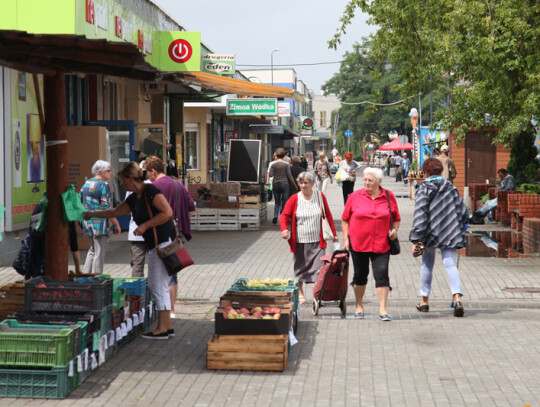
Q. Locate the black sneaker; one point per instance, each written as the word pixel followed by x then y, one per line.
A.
pixel 170 332
pixel 151 335
pixel 274 221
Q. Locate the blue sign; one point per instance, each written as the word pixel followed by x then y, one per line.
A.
pixel 348 133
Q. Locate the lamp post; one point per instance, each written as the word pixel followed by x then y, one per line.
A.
pixel 272 64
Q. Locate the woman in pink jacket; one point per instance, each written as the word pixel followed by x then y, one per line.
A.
pixel 303 213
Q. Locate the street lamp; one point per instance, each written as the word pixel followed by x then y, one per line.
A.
pixel 272 64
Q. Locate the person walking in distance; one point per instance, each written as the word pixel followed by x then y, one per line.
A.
pixel 322 170
pixel 281 171
pixel 96 195
pixel 349 168
pixel 182 206
pixel 449 168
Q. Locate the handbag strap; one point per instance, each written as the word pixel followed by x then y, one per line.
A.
pixel 319 196
pixel 389 208
pixel 151 216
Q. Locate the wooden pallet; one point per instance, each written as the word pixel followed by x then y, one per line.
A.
pixel 247 352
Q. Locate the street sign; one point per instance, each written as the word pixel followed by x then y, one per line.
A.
pixel 266 128
pixel 250 107
pixel 403 139
pixel 348 133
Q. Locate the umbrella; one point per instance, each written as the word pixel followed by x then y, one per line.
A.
pixel 396 145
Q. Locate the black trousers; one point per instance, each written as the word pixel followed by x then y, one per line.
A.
pixel 347 188
pixel 379 264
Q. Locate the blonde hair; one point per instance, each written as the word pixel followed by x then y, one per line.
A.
pixel 132 170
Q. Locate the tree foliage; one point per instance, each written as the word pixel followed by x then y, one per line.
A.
pixel 483 54
pixel 363 79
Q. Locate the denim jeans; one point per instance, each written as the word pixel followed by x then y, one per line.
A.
pixel 488 206
pixel 281 194
pixel 449 263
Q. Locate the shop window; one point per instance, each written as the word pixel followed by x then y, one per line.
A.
pixel 323 119
pixel 191 146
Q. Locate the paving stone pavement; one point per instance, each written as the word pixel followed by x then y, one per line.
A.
pixel 491 357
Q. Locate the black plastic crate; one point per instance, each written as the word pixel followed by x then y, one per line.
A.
pixel 43 294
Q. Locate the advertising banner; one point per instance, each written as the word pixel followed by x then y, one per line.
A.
pixel 220 64
pixel 180 51
pixel 284 109
pixel 429 141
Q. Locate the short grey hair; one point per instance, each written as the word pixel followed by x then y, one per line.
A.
pixel 306 176
pixel 376 172
pixel 100 166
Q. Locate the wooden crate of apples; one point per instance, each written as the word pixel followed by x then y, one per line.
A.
pixel 253 321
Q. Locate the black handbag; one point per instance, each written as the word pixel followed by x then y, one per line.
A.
pixel 394 244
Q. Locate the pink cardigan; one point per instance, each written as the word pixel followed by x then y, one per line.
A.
pixel 289 216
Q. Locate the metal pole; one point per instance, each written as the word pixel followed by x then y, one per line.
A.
pixel 272 64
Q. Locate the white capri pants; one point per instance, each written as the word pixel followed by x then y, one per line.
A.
pixel 158 279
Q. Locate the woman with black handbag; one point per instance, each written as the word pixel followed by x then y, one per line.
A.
pixel 368 214
pixel 158 279
pixel 440 221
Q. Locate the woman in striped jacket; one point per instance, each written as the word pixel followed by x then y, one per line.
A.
pixel 440 220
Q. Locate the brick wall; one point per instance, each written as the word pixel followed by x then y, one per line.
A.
pixel 192 189
pixel 531 235
pixel 476 191
pixel 529 205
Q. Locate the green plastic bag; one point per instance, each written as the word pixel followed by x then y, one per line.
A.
pixel 73 207
pixel 42 223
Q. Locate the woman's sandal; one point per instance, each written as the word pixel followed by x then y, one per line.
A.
pixel 301 299
pixel 422 308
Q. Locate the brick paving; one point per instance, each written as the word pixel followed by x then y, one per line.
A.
pixel 491 357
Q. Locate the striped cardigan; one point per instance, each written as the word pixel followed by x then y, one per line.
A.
pixel 439 215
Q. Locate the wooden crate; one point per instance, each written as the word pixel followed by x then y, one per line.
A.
pixel 250 202
pixel 247 352
pixel 222 202
pixel 256 299
pixel 11 299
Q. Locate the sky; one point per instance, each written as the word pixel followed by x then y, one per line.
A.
pixel 251 29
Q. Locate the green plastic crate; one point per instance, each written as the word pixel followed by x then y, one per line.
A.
pixel 119 298
pixel 35 347
pixel 38 384
pixel 80 331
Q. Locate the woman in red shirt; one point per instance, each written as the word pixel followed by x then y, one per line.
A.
pixel 366 224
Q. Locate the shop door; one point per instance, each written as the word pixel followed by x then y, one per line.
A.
pixel 480 158
pixel 150 139
pixel 120 147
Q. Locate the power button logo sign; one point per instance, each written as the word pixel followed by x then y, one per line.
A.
pixel 180 51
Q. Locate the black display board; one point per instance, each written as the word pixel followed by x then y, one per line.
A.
pixel 244 160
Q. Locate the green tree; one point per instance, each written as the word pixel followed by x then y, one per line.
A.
pixel 484 55
pixel 363 85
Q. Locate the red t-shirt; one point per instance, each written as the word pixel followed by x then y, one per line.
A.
pixel 369 220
